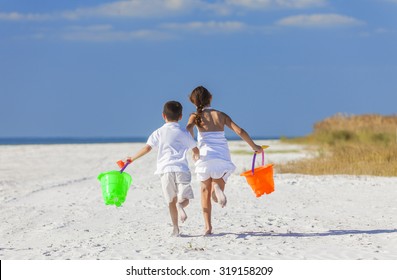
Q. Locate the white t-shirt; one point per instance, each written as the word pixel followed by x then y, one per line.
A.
pixel 172 142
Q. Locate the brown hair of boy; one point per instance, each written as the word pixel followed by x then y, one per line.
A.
pixel 172 110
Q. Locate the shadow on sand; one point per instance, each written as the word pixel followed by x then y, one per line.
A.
pixel 298 234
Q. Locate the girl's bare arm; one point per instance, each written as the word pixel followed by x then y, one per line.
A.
pixel 242 133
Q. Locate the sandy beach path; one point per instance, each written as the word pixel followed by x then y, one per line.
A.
pixel 51 207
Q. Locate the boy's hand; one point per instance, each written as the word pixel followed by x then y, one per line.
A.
pixel 196 157
pixel 196 154
pixel 122 163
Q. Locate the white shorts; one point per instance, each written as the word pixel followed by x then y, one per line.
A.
pixel 204 176
pixel 176 184
pixel 215 169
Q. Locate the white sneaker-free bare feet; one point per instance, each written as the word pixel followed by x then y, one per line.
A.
pixel 175 231
pixel 208 231
pixel 220 195
pixel 213 195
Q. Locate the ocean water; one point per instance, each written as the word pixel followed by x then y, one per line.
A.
pixel 85 140
pixel 68 140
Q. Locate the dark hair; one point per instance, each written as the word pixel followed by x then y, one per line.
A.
pixel 200 97
pixel 172 110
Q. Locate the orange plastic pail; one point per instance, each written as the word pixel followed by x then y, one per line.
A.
pixel 260 178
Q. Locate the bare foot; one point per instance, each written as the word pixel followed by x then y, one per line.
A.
pixel 220 195
pixel 208 232
pixel 175 231
pixel 214 197
pixel 181 212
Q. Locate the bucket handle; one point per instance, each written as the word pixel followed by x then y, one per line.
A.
pixel 125 166
pixel 253 161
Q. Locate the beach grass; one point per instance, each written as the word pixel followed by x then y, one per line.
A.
pixel 350 144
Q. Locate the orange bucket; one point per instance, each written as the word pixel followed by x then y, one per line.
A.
pixel 260 178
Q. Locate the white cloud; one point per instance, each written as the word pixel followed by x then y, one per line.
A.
pixel 91 28
pixel 228 7
pixel 381 30
pixel 14 16
pixel 252 4
pixel 125 8
pixel 207 27
pixel 377 32
pixel 169 8
pixel 135 8
pixel 301 3
pixel 163 8
pixel 264 4
pixel 106 33
pixel 319 20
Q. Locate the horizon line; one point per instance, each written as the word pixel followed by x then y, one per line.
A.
pixel 27 140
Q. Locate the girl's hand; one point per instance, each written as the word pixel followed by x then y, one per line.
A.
pixel 128 159
pixel 258 149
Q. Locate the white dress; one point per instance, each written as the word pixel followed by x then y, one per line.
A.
pixel 215 161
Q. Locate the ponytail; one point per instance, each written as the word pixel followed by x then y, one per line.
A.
pixel 198 120
pixel 200 97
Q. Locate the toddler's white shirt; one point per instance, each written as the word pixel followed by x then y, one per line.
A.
pixel 172 142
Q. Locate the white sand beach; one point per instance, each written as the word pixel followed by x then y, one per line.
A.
pixel 51 207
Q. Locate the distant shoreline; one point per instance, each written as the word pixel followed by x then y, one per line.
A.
pixel 87 140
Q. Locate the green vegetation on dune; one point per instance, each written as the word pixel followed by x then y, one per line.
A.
pixel 350 144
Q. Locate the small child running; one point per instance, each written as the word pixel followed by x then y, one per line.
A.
pixel 172 142
pixel 215 165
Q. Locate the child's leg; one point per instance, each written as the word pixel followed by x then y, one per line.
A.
pixel 184 203
pixel 206 204
pixel 184 192
pixel 181 211
pixel 174 217
pixel 213 195
pixel 218 186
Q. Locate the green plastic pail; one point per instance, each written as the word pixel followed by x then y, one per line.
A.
pixel 114 186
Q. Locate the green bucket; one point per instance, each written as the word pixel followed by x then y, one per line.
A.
pixel 114 186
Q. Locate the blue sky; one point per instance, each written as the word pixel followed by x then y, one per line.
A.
pixel 85 68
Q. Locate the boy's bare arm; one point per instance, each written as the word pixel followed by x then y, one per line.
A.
pixel 146 149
